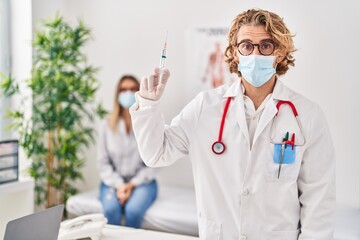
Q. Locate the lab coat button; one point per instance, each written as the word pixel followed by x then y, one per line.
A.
pixel 243 237
pixel 245 192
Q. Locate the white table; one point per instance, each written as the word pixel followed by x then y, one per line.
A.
pixel 111 232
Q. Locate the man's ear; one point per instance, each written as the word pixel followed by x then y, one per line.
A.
pixel 235 54
pixel 279 56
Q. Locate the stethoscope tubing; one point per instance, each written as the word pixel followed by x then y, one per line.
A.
pixel 296 115
pixel 218 147
pixel 223 118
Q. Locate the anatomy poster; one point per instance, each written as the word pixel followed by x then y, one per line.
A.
pixel 206 66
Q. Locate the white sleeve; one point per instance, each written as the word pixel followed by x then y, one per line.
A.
pixel 107 174
pixel 316 182
pixel 143 176
pixel 160 144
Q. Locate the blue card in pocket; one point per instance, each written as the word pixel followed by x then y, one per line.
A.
pixel 289 154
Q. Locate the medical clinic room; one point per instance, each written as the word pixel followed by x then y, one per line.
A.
pixel 179 120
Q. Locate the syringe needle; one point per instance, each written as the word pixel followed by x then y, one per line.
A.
pixel 162 59
pixel 166 39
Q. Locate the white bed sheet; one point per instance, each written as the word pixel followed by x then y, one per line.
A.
pixel 173 211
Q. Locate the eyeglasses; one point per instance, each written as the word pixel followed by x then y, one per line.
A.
pixel 133 89
pixel 265 48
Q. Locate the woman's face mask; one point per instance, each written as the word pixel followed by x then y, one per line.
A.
pixel 256 69
pixel 126 99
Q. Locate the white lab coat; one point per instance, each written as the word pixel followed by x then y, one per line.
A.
pixel 238 193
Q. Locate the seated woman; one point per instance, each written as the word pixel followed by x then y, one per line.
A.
pixel 128 187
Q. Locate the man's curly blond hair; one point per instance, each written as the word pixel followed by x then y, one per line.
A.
pixel 274 25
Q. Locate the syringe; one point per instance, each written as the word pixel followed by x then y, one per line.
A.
pixel 162 59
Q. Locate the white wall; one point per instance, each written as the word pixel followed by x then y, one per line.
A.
pixel 16 198
pixel 128 37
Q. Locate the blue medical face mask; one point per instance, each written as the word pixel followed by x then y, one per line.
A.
pixel 126 99
pixel 256 69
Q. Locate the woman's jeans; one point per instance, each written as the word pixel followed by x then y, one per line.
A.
pixel 134 208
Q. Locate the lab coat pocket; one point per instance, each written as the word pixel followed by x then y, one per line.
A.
pixel 290 163
pixel 209 229
pixel 280 235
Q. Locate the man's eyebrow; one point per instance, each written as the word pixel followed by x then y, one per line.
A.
pixel 263 40
pixel 267 40
pixel 245 40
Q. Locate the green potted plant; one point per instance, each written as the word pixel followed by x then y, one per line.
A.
pixel 63 87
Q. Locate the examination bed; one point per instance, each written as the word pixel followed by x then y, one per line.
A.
pixel 175 211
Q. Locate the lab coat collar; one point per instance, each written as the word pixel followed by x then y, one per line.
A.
pixel 279 93
pixel 236 92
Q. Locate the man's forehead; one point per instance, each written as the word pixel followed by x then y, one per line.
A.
pixel 257 32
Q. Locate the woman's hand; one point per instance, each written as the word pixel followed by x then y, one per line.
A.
pixel 124 192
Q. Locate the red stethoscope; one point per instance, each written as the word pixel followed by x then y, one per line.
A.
pixel 218 147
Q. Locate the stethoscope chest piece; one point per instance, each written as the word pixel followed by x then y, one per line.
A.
pixel 218 147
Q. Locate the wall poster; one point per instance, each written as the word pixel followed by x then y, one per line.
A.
pixel 206 66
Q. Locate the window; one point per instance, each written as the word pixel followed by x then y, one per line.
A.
pixel 4 60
